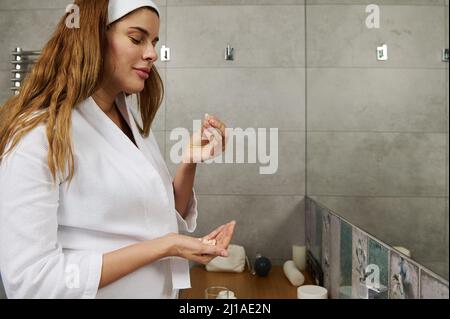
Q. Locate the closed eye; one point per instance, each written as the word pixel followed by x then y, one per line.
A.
pixel 135 41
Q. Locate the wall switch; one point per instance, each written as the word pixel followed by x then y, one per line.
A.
pixel 165 54
pixel 382 54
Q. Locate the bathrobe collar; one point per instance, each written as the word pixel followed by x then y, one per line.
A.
pixel 116 138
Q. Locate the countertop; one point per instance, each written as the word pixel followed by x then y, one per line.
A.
pixel 245 285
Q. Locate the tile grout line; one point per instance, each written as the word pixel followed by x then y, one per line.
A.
pixel 299 194
pixel 300 4
pixel 275 67
pixel 335 131
pixel 34 9
pixel 306 96
pixel 299 67
pixel 326 4
pixel 379 196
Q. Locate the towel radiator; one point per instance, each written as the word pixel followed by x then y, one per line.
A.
pixel 21 61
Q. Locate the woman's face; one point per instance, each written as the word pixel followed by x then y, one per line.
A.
pixel 131 51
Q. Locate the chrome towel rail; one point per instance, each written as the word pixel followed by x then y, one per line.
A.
pixel 21 62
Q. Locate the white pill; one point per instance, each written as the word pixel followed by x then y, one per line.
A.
pixel 211 242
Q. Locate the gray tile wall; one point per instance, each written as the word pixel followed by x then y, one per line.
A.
pixel 263 87
pixel 377 141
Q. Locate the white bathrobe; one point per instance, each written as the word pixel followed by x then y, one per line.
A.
pixel 52 238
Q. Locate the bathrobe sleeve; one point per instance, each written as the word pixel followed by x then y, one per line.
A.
pixel 189 223
pixel 32 262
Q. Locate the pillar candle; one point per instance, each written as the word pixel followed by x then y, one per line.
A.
pixel 299 256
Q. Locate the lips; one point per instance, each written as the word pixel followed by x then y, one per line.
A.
pixel 144 73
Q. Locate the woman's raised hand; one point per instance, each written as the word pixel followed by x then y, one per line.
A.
pixel 207 143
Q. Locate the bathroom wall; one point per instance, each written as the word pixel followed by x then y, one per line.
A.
pixel 264 87
pixel 351 260
pixel 377 131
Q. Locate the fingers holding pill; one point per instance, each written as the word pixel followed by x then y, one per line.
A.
pixel 207 143
pixel 216 123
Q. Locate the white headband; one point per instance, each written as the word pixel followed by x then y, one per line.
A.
pixel 120 8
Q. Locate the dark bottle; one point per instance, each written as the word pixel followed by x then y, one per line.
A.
pixel 262 265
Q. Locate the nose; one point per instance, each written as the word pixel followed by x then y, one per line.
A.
pixel 150 53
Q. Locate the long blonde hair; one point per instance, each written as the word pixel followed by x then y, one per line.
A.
pixel 68 71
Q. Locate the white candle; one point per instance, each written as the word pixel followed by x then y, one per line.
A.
pixel 299 256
